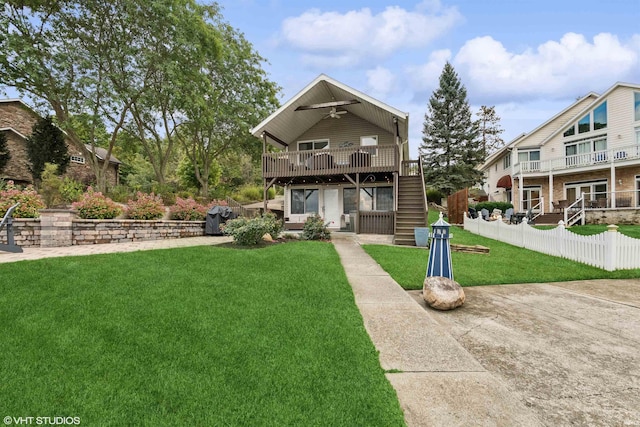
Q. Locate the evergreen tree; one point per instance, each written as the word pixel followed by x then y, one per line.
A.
pixel 46 145
pixel 4 152
pixel 451 148
pixel 490 130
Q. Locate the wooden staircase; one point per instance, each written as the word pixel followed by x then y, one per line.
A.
pixel 549 219
pixel 411 211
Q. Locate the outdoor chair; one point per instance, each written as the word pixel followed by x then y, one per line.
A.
pixel 485 214
pixel 508 214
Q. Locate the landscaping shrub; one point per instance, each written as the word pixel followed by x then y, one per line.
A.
pixel 120 193
pixel 274 225
pixel 146 207
pixel 95 205
pixel 252 193
pixel 71 190
pixel 434 196
pixel 490 206
pixel 315 229
pixel 51 185
pixel 188 210
pixel 246 231
pixel 30 201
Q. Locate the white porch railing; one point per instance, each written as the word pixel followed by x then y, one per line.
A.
pixel 613 155
pixel 574 213
pixel 612 199
pixel 609 250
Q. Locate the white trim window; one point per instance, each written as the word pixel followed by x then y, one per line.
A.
pixel 371 199
pixel 594 190
pixel 586 151
pixel 370 141
pixel 314 144
pixel 77 159
pixel 594 120
pixel 506 162
pixel 529 160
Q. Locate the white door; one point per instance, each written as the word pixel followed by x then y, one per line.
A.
pixel 331 207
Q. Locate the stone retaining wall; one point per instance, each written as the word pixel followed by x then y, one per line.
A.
pixel 58 227
pixel 92 231
pixel 26 232
pixel 612 216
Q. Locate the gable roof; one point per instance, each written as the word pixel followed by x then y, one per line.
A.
pixel 14 131
pixel 286 123
pixel 101 153
pixel 597 100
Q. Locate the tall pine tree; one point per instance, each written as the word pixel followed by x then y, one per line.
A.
pixel 5 156
pixel 46 145
pixel 490 129
pixel 451 148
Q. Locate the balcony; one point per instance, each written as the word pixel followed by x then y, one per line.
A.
pixel 594 158
pixel 369 159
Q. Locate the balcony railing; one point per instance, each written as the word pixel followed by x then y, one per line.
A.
pixel 381 158
pixel 618 154
pixel 610 200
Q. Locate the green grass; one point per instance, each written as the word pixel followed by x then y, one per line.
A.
pixel 587 230
pixel 505 264
pixel 193 336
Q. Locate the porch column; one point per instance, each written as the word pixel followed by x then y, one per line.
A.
pixel 613 185
pixel 357 227
pixel 520 191
pixel 550 192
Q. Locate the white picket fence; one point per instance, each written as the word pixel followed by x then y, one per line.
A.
pixel 609 250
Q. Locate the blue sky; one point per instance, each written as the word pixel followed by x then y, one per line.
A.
pixel 529 59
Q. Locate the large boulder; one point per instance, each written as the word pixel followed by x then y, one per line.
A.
pixel 442 293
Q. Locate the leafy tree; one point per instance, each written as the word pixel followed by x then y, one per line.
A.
pixel 5 156
pixel 451 148
pixel 95 57
pixel 46 144
pixel 490 129
pixel 223 103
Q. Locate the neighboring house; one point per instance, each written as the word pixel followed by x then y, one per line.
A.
pixel 591 148
pixel 16 121
pixel 344 156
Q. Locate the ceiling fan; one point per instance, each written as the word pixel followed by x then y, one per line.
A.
pixel 335 114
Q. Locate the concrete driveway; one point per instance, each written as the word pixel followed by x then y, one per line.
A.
pixel 569 351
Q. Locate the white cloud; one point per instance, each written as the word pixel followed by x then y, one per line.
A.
pixel 381 81
pixel 425 77
pixel 570 67
pixel 333 38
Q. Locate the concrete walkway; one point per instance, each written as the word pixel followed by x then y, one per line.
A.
pixel 438 382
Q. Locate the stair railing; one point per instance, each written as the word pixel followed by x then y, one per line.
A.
pixel 575 212
pixel 424 193
pixel 7 221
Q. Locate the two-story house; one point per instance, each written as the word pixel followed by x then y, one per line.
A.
pixel 589 152
pixel 16 122
pixel 343 155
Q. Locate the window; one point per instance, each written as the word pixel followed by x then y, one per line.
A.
pixel 313 145
pixel 506 161
pixel 584 125
pixel 600 116
pixel 580 152
pixel 636 106
pixel 77 159
pixel 570 132
pixel 371 199
pixel 368 141
pixel 596 190
pixel 304 201
pixel 529 160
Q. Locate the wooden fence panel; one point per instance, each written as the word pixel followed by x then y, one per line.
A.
pixel 457 205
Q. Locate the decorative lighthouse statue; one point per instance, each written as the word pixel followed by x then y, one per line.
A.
pixel 440 250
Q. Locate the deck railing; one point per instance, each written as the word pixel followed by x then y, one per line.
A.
pixel 381 158
pixel 376 222
pixel 612 200
pixel 613 155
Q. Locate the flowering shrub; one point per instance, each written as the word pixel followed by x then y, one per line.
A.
pixel 190 210
pixel 30 201
pixel 95 205
pixel 315 229
pixel 146 206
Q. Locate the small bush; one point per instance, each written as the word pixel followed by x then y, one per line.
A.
pixel 188 210
pixel 95 205
pixel 490 206
pixel 120 193
pixel 71 190
pixel 245 231
pixel 250 193
pixel 51 185
pixel 30 201
pixel 434 196
pixel 315 229
pixel 274 225
pixel 145 207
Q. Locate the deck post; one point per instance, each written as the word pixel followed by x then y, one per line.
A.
pixel 357 227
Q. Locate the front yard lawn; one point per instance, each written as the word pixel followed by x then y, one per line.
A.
pixel 192 336
pixel 504 264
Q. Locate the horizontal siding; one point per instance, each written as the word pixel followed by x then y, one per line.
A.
pixel 348 128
